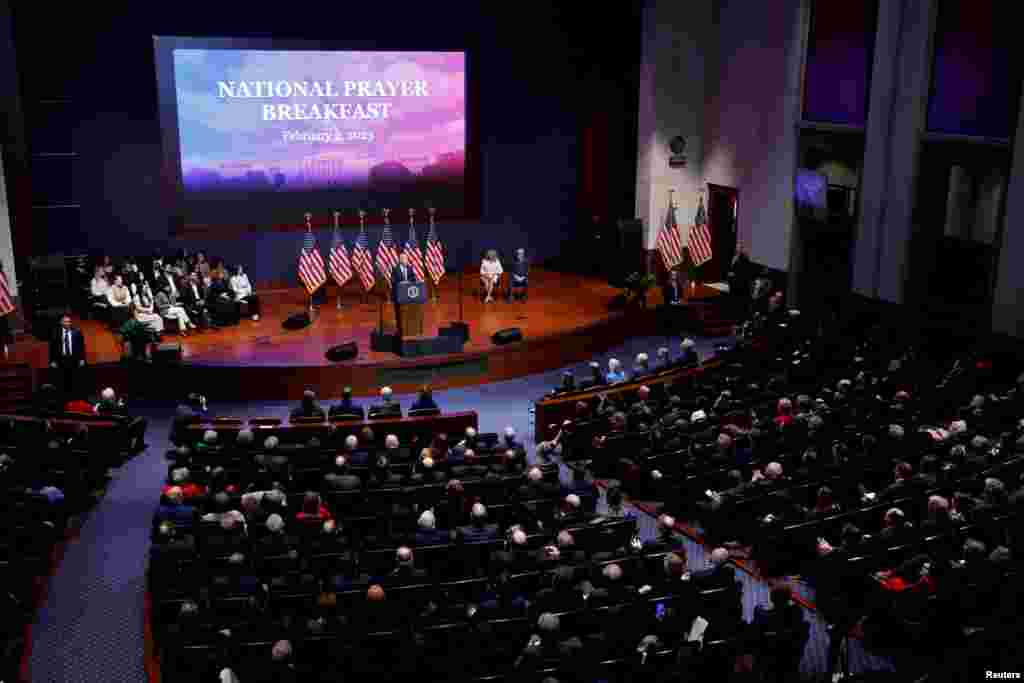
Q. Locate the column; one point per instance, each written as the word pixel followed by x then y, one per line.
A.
pixel 899 95
pixel 1008 297
pixel 675 39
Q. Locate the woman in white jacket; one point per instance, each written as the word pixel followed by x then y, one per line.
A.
pixel 242 290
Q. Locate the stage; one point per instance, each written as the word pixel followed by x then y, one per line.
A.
pixel 566 319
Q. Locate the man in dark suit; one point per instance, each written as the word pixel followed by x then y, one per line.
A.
pixel 519 276
pixel 424 401
pixel 388 407
pixel 478 530
pixel 673 289
pixel 718 574
pixel 309 408
pixel 193 296
pixel 405 569
pixel 67 352
pixel 403 272
pixel 346 406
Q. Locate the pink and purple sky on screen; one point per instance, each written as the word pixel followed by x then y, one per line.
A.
pixel 230 135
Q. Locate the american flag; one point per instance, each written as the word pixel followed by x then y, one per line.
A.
pixel 412 250
pixel 338 262
pixel 311 264
pixel 362 261
pixel 435 255
pixel 670 243
pixel 700 238
pixel 387 256
pixel 6 305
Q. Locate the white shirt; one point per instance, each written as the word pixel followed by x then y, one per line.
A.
pixel 66 343
pixel 241 286
pixel 490 268
pixel 115 292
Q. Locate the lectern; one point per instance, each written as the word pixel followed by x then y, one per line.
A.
pixel 409 300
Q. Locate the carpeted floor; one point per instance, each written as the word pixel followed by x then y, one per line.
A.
pixel 90 628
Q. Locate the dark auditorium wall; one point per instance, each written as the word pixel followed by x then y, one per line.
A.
pixel 537 89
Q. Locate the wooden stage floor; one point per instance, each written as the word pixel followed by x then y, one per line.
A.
pixel 566 319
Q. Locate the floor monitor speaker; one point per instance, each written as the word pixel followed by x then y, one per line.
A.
pixel 296 321
pixel 167 353
pixel 507 336
pixel 342 352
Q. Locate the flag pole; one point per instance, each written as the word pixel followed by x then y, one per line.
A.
pixel 384 295
pixel 337 216
pixel 309 295
pixel 362 229
pixel 433 285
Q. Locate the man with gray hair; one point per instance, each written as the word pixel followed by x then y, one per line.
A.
pixel 405 569
pixel 547 644
pixel 427 532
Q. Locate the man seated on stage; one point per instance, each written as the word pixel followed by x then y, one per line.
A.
pixel 220 301
pixel 388 407
pixel 308 407
pixel 242 289
pixel 519 274
pixel 490 274
pixel 673 289
pixel 346 406
pixel 193 296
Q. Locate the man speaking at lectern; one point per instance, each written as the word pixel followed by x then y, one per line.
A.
pixel 403 272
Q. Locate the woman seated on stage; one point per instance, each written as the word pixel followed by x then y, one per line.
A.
pixel 119 296
pixel 490 273
pixel 144 312
pixel 169 309
pixel 99 287
pixel 242 289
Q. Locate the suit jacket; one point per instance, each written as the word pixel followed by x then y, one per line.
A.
pixel 347 408
pixel 77 347
pixel 672 296
pixel 389 409
pixel 396 277
pixel 186 295
pixel 473 534
pixel 423 404
pixel 714 577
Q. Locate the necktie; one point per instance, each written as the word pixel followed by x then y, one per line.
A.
pixel 67 343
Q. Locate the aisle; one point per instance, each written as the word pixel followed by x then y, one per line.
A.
pixel 90 628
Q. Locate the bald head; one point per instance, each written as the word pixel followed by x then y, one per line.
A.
pixel 404 555
pixel 375 593
pixel 534 474
pixel 612 572
pixel 719 556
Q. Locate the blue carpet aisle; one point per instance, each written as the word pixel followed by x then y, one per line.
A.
pixel 91 627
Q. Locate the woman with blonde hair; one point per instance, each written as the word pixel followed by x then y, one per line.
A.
pixel 490 274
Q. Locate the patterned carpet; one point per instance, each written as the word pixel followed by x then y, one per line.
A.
pixel 90 628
